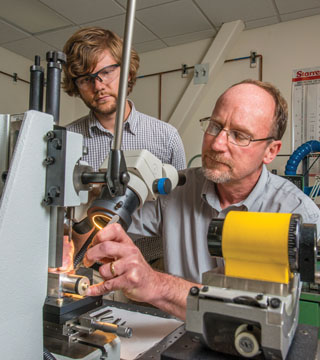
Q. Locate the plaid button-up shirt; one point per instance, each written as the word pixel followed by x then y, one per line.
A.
pixel 140 131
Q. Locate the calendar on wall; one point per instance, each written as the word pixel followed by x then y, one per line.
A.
pixel 305 106
pixel 306 110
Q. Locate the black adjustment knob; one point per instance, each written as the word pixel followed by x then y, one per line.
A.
pixel 182 179
pixel 214 237
pixel 56 56
pixel 308 252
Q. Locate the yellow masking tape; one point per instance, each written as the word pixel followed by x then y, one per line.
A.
pixel 255 246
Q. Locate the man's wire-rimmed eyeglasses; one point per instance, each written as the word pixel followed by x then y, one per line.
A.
pixel 235 137
pixel 105 75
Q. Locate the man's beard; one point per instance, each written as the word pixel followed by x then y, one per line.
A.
pixel 101 109
pixel 109 111
pixel 211 171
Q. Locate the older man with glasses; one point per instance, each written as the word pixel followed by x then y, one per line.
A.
pixel 241 137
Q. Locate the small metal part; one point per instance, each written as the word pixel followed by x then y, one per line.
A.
pixel 89 321
pixel 59 301
pixel 59 283
pixel 275 303
pixel 184 72
pixel 201 74
pixel 317 277
pixel 54 191
pixel 85 150
pixel 248 301
pixel 106 318
pixel 50 135
pixel 57 143
pixel 100 312
pixel 84 287
pixel 113 328
pixel 75 284
pixel 47 201
pixel 78 183
pixel 49 160
pixel 194 291
pixel 253 59
pixel 246 340
pixel 118 205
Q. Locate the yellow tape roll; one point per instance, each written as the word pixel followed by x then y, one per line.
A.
pixel 255 246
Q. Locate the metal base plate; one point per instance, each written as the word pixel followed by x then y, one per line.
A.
pixel 304 346
pixel 88 347
pixel 71 308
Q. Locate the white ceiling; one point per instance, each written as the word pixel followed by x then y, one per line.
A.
pixel 33 27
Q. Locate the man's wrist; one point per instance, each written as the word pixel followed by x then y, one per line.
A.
pixel 170 294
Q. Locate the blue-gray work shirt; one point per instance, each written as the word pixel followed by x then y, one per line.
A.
pixel 182 218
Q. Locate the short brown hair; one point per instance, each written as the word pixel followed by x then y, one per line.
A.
pixel 281 107
pixel 83 50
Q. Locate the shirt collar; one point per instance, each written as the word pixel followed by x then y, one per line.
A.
pixel 210 196
pixel 253 200
pixel 130 124
pixel 94 123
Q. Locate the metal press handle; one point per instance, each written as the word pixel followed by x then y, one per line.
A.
pixel 123 84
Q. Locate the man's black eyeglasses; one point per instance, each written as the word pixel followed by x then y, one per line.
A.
pixel 234 136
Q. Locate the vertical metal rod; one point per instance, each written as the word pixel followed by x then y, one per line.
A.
pixel 5 124
pixel 55 60
pixel 56 236
pixel 36 85
pixel 160 88
pixel 123 84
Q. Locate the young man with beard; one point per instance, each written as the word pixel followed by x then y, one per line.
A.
pixel 92 72
pixel 241 137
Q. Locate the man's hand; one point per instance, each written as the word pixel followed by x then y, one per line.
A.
pixel 126 269
pixel 67 258
pixel 124 266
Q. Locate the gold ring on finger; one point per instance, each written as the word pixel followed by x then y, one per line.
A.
pixel 112 269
